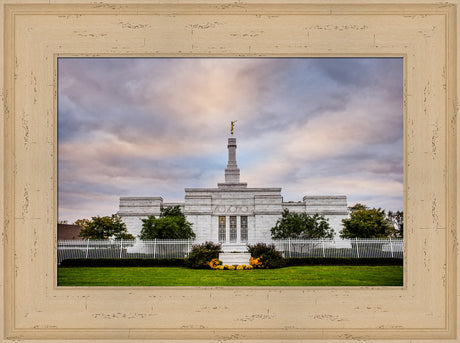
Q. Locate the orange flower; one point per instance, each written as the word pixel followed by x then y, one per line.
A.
pixel 255 262
pixel 213 263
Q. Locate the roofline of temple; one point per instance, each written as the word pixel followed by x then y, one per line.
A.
pixel 233 190
pixel 141 198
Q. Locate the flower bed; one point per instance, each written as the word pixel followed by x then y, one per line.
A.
pixel 217 265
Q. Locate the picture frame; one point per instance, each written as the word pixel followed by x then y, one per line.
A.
pixel 35 34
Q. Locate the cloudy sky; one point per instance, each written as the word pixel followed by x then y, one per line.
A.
pixel 153 126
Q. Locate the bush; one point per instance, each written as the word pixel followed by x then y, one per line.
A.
pixel 342 261
pixel 202 254
pixel 123 262
pixel 267 255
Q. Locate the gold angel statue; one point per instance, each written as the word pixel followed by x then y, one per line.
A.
pixel 232 125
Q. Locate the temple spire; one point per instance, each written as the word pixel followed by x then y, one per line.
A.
pixel 232 172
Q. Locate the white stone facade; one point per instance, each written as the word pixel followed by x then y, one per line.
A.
pixel 232 213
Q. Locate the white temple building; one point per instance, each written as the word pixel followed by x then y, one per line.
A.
pixel 233 213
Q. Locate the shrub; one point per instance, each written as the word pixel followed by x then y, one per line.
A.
pixel 259 249
pixel 268 256
pixel 202 254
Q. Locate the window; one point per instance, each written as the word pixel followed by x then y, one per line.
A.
pixel 244 229
pixel 232 229
pixel 222 230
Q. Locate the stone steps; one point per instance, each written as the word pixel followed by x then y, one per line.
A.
pixel 234 247
pixel 232 259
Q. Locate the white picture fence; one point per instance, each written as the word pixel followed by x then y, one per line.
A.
pixel 360 248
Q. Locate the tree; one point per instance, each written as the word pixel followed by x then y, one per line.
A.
pixel 171 224
pixel 366 223
pixel 81 222
pixel 397 219
pixel 104 228
pixel 357 206
pixel 301 225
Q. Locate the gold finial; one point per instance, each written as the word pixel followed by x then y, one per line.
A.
pixel 232 124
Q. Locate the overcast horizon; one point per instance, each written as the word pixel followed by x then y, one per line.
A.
pixel 154 126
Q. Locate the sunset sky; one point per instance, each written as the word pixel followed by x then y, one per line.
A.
pixel 154 126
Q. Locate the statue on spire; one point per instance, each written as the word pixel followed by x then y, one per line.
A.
pixel 232 124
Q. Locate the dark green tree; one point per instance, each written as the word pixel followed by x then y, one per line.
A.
pixel 367 222
pixel 104 228
pixel 357 206
pixel 302 226
pixel 397 219
pixel 171 224
pixel 81 222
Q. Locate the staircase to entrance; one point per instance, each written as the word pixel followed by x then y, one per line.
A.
pixel 234 247
pixel 234 258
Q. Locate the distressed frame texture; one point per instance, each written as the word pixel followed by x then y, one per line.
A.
pixel 35 34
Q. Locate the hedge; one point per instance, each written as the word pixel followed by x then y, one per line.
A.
pixel 342 261
pixel 180 262
pixel 123 262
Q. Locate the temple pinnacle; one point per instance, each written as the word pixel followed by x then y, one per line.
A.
pixel 232 124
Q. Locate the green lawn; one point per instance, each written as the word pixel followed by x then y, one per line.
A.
pixel 289 276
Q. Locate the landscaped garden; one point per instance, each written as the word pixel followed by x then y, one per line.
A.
pixel 266 267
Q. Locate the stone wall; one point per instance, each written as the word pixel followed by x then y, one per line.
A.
pixel 140 206
pixel 262 206
pixel 134 223
pixel 336 204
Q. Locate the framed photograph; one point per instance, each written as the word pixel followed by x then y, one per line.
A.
pixel 35 35
pixel 311 136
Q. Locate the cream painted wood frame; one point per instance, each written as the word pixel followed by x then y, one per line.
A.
pixel 35 34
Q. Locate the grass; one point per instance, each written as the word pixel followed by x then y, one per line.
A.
pixel 289 276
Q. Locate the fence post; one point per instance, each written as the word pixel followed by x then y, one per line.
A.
pixel 87 247
pixel 121 246
pixel 357 250
pixel 154 247
pixel 391 247
pixel 324 255
pixel 289 247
